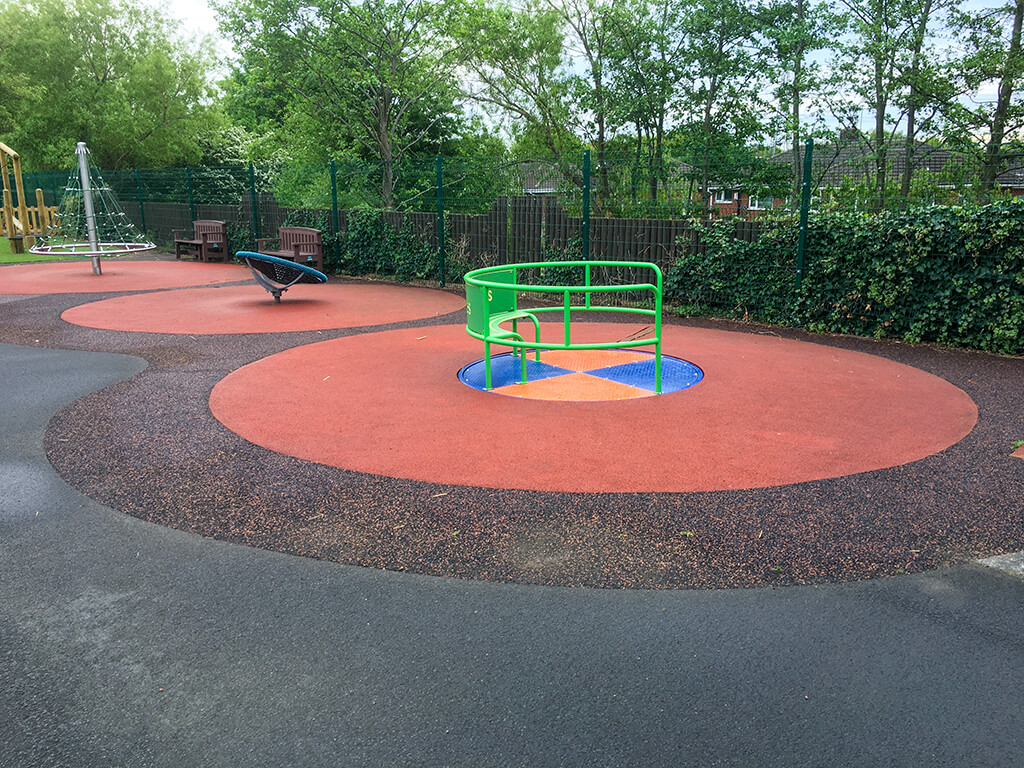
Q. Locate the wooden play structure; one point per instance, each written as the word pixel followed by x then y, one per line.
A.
pixel 20 224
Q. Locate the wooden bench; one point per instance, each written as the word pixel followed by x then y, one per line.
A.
pixel 303 245
pixel 207 240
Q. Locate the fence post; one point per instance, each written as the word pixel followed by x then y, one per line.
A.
pixel 586 204
pixel 334 196
pixel 255 208
pixel 142 207
pixel 440 219
pixel 805 204
pixel 188 189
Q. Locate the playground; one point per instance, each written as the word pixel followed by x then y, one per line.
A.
pixel 334 425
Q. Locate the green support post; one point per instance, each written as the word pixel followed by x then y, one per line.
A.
pixel 142 207
pixel 805 205
pixel 440 219
pixel 255 209
pixel 586 204
pixel 188 190
pixel 334 196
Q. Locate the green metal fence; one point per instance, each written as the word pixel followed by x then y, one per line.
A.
pixel 440 217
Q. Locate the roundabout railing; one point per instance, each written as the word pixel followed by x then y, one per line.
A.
pixel 492 302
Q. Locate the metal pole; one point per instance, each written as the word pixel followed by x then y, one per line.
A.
pixel 586 204
pixel 805 204
pixel 90 213
pixel 142 207
pixel 334 195
pixel 188 191
pixel 439 181
pixel 255 210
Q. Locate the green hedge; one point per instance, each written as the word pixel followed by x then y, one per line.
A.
pixel 953 275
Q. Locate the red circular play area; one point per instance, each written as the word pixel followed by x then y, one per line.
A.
pixel 769 411
pixel 250 309
pixel 77 277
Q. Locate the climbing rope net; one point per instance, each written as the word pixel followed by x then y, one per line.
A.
pixel 89 221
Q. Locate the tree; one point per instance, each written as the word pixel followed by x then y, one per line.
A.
pixel 519 68
pixel 696 64
pixel 994 54
pixel 727 59
pixel 794 30
pixel 375 78
pixel 649 60
pixel 589 23
pixel 883 65
pixel 107 72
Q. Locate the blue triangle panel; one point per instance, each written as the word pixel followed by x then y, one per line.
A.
pixel 676 374
pixel 506 369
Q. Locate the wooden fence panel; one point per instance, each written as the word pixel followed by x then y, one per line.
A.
pixel 515 229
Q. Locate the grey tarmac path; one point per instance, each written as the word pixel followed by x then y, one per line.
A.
pixel 123 643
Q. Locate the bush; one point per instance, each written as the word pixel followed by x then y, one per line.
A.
pixel 953 275
pixel 370 245
pixel 736 278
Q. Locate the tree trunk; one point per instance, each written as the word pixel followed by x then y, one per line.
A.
pixel 994 148
pixel 387 160
pixel 910 146
pixel 881 155
pixel 798 67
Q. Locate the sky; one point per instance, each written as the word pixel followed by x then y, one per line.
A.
pixel 197 16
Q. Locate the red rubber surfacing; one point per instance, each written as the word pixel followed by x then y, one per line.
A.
pixel 251 309
pixel 77 277
pixel 769 412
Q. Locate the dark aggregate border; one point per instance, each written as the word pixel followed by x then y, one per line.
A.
pixel 150 447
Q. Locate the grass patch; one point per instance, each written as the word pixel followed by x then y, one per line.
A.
pixel 6 257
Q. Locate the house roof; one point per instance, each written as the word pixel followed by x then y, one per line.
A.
pixel 854 159
pixel 539 177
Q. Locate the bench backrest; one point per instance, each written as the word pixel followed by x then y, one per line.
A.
pixel 291 236
pixel 209 227
pixel 495 300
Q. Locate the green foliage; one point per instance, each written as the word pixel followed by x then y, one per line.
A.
pixel 109 72
pixel 737 278
pixel 573 251
pixel 240 236
pixel 952 275
pixel 372 246
pixel 373 80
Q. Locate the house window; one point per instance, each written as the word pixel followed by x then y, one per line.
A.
pixel 759 202
pixel 723 195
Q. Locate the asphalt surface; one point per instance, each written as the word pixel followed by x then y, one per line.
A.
pixel 124 643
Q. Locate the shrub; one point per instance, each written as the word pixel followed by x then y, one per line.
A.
pixel 370 245
pixel 949 274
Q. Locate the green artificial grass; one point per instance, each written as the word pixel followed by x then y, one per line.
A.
pixel 6 257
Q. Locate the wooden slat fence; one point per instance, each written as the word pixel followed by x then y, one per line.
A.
pixel 515 229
